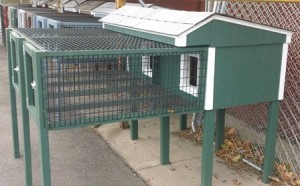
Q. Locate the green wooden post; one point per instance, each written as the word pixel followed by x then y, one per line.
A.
pixel 183 122
pixel 220 128
pixel 13 106
pixel 43 130
pixel 164 140
pixel 134 130
pixel 44 156
pixel 269 153
pixel 24 112
pixel 207 148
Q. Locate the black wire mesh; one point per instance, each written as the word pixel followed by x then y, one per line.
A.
pixel 101 88
pixel 87 39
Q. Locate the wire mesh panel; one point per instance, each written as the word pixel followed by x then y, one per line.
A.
pixel 287 16
pixel 115 77
pixel 99 88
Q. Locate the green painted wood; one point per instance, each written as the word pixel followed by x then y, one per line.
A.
pixel 13 106
pixel 44 156
pixel 154 37
pixel 43 131
pixel 246 75
pixel 134 130
pixel 220 129
pixel 24 113
pixel 165 140
pixel 182 122
pixel 207 148
pixel 269 152
pixel 220 34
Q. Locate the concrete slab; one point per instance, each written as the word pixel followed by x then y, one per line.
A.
pixel 143 155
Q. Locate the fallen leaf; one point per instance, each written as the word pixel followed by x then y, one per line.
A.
pixel 216 177
pixel 274 179
pixel 231 131
pixel 236 182
pixel 237 158
pixel 172 168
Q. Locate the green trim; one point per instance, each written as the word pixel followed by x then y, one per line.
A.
pixel 154 37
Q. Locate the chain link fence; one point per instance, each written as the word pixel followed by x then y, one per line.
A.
pixel 250 121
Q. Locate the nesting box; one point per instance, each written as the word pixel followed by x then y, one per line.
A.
pixel 249 60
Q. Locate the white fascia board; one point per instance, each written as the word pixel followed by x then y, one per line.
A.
pixel 210 79
pixel 284 56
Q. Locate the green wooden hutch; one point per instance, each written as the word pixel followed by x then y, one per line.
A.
pixel 246 64
pixel 147 63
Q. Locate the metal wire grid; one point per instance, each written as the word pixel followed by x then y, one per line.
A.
pixel 100 40
pixel 287 16
pixel 91 89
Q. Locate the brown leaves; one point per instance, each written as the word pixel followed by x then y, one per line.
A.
pixel 235 148
pixel 285 174
pixel 190 135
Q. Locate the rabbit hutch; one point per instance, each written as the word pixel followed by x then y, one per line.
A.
pixel 66 20
pixel 150 63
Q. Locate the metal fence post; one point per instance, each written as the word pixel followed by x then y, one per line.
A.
pixel 269 152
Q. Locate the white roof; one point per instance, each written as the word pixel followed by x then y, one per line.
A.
pixel 73 4
pixel 173 23
pixel 109 7
pixel 163 21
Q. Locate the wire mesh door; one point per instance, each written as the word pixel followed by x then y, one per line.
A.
pixel 287 16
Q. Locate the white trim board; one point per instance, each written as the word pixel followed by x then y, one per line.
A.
pixel 283 70
pixel 210 79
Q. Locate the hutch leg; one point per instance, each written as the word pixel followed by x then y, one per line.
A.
pixel 207 148
pixel 220 128
pixel 27 145
pixel 44 156
pixel 13 104
pixel 164 140
pixel 134 130
pixel 14 120
pixel 183 122
pixel 269 152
